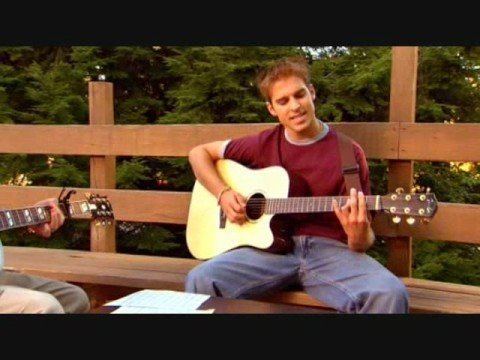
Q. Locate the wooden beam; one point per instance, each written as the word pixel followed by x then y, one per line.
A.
pixel 403 95
pixel 379 140
pixel 440 142
pixel 102 168
pixel 453 222
pixel 128 205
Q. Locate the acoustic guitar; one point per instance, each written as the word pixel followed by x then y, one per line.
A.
pixel 210 233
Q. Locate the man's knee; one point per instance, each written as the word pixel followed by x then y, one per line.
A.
pixel 395 290
pixel 388 294
pixel 75 300
pixel 196 279
pixel 42 303
pixel 201 280
pixel 82 303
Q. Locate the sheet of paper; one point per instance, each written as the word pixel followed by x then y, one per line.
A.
pixel 146 310
pixel 162 299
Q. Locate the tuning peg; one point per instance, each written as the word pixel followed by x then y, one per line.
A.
pixel 413 190
pixel 97 223
pixel 425 221
pixel 399 190
pixel 428 190
pixel 410 220
pixel 396 219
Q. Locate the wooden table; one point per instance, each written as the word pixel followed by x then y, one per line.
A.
pixel 234 306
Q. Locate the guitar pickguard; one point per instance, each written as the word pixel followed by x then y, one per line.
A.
pixel 282 235
pixel 223 218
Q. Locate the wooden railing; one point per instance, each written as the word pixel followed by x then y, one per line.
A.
pixel 400 141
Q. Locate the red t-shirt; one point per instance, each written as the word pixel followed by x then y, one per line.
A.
pixel 314 169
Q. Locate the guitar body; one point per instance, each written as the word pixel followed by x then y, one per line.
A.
pixel 209 233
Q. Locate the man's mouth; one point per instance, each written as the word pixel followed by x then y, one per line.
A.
pixel 297 117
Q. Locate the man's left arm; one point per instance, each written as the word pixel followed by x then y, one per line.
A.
pixel 57 219
pixel 354 216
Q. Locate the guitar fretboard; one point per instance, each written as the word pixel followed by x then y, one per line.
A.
pixel 29 216
pixel 313 204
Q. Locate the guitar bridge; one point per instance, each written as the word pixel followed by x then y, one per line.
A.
pixel 223 219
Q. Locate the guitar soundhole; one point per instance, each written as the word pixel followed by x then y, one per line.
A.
pixel 255 206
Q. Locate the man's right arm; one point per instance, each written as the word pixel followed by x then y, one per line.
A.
pixel 202 159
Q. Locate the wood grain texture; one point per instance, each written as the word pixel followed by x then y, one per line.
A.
pixel 400 250
pixel 403 97
pixel 453 222
pixel 155 272
pixel 102 168
pixel 128 205
pixel 440 142
pixel 379 140
pixel 405 141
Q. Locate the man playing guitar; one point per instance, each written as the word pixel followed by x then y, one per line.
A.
pixel 328 257
pixel 22 293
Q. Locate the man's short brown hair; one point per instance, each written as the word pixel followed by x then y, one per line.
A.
pixel 293 66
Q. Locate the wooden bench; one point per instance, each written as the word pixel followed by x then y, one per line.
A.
pixel 131 272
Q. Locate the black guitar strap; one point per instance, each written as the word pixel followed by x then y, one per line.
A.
pixel 350 167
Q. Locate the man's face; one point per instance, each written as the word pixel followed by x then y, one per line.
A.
pixel 291 101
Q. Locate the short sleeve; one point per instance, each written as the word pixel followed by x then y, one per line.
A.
pixel 244 150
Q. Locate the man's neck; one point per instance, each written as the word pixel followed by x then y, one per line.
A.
pixel 323 132
pixel 308 134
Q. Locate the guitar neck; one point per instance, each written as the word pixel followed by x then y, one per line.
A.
pixel 313 204
pixel 36 215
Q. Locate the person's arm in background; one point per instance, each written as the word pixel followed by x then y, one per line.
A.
pixel 57 219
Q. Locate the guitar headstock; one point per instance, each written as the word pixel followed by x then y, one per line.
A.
pixel 100 209
pixel 414 206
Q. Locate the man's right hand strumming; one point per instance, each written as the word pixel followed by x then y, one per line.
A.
pixel 202 159
pixel 234 206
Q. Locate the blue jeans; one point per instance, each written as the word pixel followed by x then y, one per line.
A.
pixel 327 270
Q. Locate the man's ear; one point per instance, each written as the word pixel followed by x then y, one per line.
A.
pixel 312 90
pixel 271 110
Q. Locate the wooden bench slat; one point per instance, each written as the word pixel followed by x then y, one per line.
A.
pixel 443 301
pixel 92 263
pixel 441 286
pixel 155 272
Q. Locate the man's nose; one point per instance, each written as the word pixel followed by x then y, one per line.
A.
pixel 294 104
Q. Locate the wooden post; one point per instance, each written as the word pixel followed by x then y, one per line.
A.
pixel 403 96
pixel 102 168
